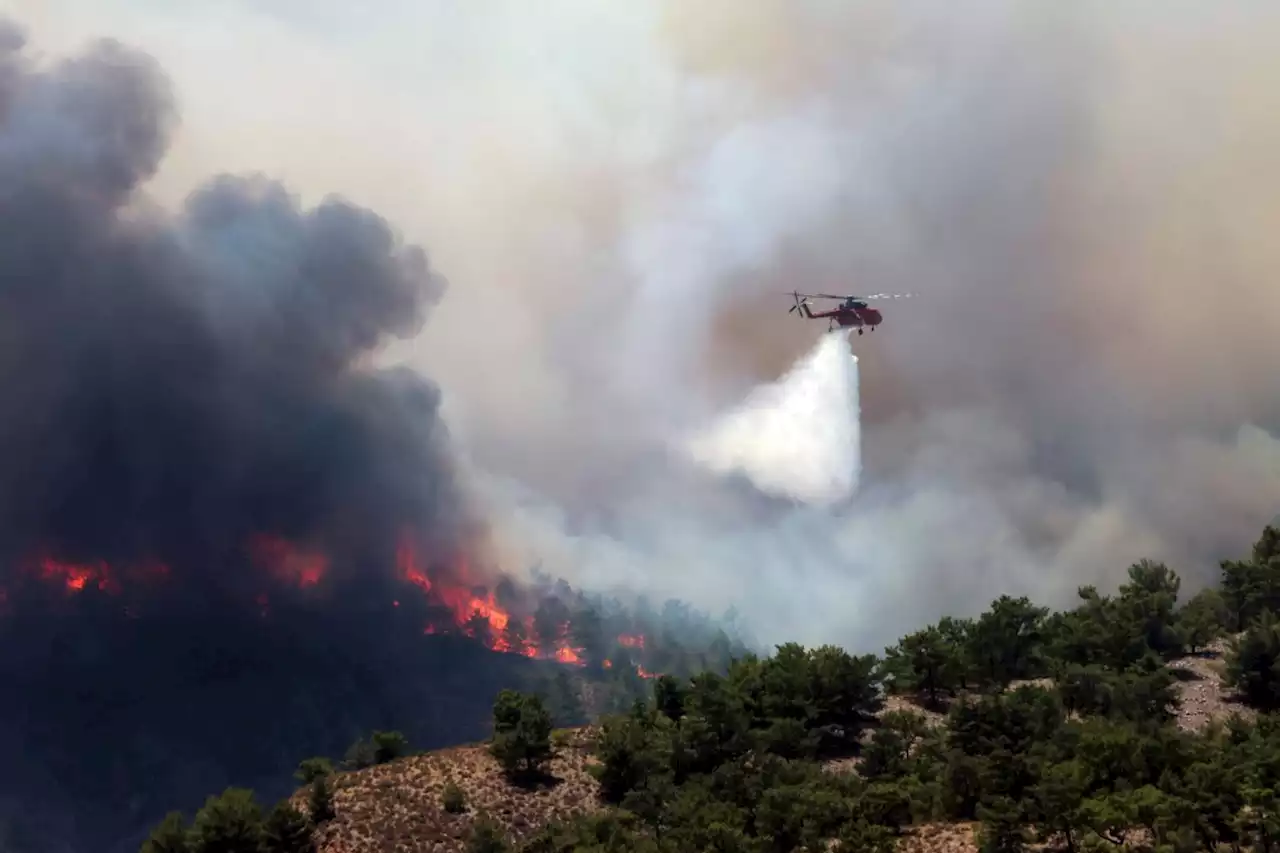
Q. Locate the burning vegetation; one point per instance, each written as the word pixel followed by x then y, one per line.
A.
pixel 450 598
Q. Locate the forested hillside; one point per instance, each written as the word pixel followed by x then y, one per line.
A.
pixel 1133 721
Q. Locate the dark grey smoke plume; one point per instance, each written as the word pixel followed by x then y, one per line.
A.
pixel 175 384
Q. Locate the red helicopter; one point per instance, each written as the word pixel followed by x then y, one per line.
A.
pixel 852 312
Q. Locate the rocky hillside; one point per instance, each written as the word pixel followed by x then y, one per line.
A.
pixel 399 806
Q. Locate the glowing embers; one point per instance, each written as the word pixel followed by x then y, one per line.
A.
pixel 636 642
pixel 639 669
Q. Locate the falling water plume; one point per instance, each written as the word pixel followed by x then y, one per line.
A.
pixel 796 438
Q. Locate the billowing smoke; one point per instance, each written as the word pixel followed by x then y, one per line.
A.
pixel 1084 378
pixel 175 385
pixel 1079 195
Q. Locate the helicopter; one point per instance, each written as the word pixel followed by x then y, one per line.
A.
pixel 853 312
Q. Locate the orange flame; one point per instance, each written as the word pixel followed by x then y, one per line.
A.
pixel 564 654
pixel 470 604
pixel 76 577
pixel 463 603
pixel 466 605
pixel 633 641
pixel 407 564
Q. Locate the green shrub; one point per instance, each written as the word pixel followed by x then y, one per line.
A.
pixel 453 799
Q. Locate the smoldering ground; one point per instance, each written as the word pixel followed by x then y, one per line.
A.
pixel 1079 194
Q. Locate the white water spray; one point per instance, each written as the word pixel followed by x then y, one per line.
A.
pixel 797 438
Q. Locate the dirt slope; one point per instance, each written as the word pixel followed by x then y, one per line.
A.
pixel 1204 697
pixel 397 806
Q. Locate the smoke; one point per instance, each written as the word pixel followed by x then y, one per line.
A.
pixel 1063 398
pixel 174 384
pixel 1078 194
pixel 797 438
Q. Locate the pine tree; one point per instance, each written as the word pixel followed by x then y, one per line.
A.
pixel 287 830
pixel 320 801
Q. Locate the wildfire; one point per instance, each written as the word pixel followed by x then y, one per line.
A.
pixel 633 641
pixel 471 608
pixel 568 655
pixel 407 564
pixel 475 610
pixel 76 577
pixel 465 604
pixel 640 670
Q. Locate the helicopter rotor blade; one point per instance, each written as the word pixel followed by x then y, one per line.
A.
pixel 805 296
pixel 856 297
